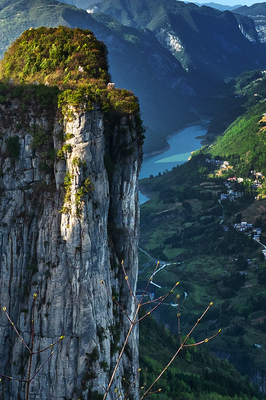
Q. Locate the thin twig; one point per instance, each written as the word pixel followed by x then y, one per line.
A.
pixel 177 352
pixel 115 301
pixel 178 318
pixel 38 370
pixel 120 355
pixel 157 305
pixel 31 348
pixel 152 301
pixel 128 284
pixel 133 322
pixel 13 379
pixel 149 281
pixel 203 341
pixel 15 329
pixel 130 385
pixel 49 347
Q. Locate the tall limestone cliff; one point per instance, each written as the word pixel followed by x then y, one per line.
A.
pixel 69 213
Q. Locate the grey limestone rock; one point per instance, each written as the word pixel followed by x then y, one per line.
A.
pixel 60 240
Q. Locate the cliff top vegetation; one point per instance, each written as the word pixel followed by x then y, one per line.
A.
pixel 72 60
pixel 55 56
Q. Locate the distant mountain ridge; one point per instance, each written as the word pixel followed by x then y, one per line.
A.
pixel 218 6
pixel 86 3
pixel 203 39
pixel 258 13
pixel 79 3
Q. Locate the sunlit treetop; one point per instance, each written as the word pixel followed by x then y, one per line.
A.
pixel 56 56
pixel 69 64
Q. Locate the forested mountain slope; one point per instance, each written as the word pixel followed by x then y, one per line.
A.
pixel 203 39
pixel 243 143
pixel 258 13
pixel 191 222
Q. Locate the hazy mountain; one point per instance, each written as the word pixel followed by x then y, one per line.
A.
pixel 79 3
pixel 220 7
pixel 139 62
pixel 86 3
pixel 258 13
pixel 204 40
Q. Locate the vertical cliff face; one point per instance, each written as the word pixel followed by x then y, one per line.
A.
pixel 66 222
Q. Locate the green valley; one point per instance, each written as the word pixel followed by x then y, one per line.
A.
pixel 205 221
pixel 200 221
pixel 195 374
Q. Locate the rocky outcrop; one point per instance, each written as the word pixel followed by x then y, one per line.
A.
pixel 65 224
pixel 258 377
pixel 256 13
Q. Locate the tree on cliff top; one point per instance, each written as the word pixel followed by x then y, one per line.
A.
pixel 72 60
pixel 55 56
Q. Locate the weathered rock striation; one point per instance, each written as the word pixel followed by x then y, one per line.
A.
pixel 65 224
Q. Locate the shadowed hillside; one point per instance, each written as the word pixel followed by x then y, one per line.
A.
pixel 203 39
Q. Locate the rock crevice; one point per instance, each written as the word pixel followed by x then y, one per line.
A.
pixel 65 225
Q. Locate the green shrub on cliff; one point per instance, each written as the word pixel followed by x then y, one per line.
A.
pixel 72 60
pixel 13 147
pixel 91 93
pixel 55 56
